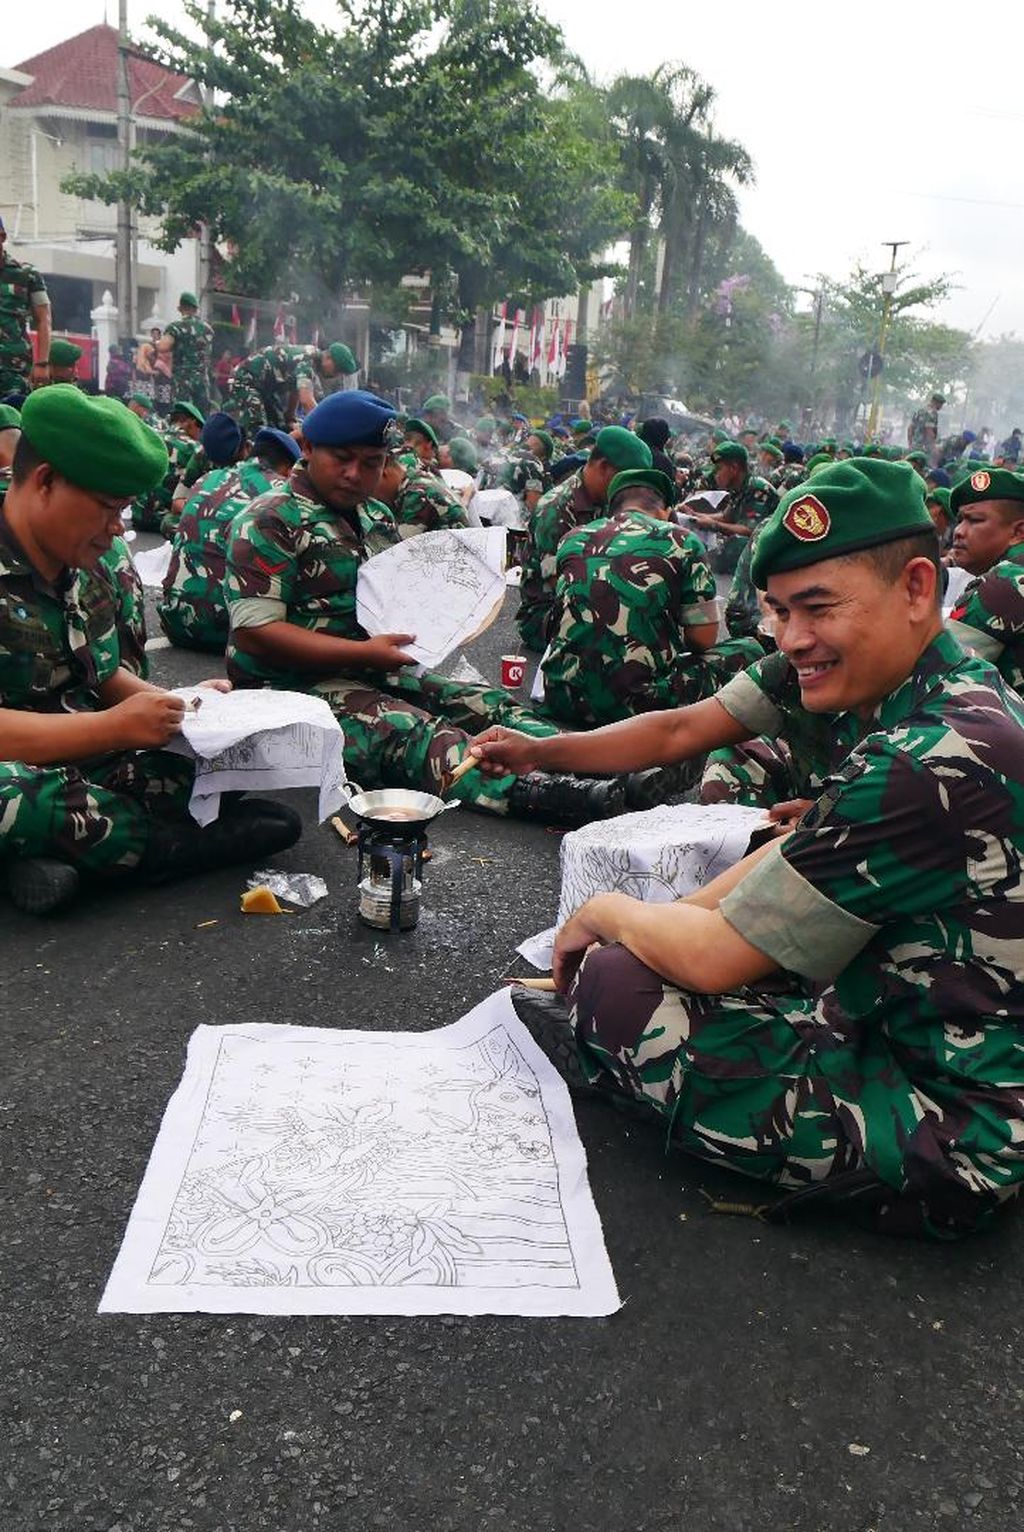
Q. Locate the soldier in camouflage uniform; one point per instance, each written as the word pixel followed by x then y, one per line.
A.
pixel 192 609
pixel 292 569
pixel 635 612
pixel 23 299
pixel 85 788
pixel 923 431
pixel 569 505
pixel 751 500
pixel 190 342
pixel 153 511
pixel 845 1006
pixel 269 387
pixel 988 619
pixel 418 501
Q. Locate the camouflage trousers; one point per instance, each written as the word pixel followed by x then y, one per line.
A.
pixel 14 374
pixel 592 697
pixel 735 1075
pixel 410 731
pixel 130 610
pixel 253 409
pixel 192 386
pixel 95 816
pixel 759 774
pixel 738 1080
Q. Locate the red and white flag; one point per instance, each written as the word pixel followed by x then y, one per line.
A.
pixel 514 342
pixel 553 350
pixel 236 318
pixel 279 325
pixel 250 334
pixel 498 344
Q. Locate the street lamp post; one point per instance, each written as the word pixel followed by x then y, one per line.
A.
pixel 890 281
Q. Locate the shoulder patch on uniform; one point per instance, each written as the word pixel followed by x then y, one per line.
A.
pixel 807 519
pixel 980 482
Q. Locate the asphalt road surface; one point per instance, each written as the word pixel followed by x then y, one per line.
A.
pixel 803 1377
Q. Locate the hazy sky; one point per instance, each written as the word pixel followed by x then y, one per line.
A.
pixel 890 119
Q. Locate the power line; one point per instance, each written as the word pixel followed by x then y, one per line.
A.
pixel 948 197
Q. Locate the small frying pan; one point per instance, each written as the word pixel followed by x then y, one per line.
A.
pixel 397 807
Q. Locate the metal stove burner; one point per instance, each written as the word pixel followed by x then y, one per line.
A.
pixel 389 893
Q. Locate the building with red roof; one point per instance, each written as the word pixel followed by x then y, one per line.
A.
pixel 58 115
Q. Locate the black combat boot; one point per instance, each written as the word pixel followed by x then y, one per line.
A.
pixel 659 784
pixel 40 885
pixel 250 832
pixel 567 800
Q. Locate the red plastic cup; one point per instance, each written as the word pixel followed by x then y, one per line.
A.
pixel 513 670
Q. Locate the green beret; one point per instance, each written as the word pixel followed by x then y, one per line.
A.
pixel 986 484
pixel 652 476
pixel 546 441
pixel 343 358
pixel 817 461
pixel 622 448
pixel 719 435
pixel 10 418
pixel 183 407
pixel 423 429
pixel 463 454
pixel 731 452
pixel 436 402
pixel 581 426
pixel 93 441
pixel 827 444
pixel 917 456
pixel 847 507
pixel 188 301
pixel 140 398
pixel 871 449
pixel 771 450
pixel 486 423
pixel 64 353
pixel 940 497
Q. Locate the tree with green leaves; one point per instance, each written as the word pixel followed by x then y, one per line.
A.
pixel 449 136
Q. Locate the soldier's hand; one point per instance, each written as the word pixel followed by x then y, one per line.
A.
pixel 387 651
pixel 500 751
pixel 786 816
pixel 147 720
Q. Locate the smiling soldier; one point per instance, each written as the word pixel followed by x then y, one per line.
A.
pixel 886 1047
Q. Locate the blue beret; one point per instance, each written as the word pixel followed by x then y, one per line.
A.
pixel 266 436
pixel 221 437
pixel 940 478
pixel 792 452
pixel 349 418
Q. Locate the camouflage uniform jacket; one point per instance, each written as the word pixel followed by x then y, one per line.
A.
pixel 291 558
pixel 765 698
pixel 192 609
pixel 58 642
pixel 20 287
pixel 751 504
pixel 193 347
pixel 275 374
pixel 627 586
pixel 426 504
pixel 898 902
pixel 923 429
pixel 566 506
pixel 989 617
pixel 152 511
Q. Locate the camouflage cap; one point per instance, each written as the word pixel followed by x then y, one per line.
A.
pixel 622 448
pixel 93 441
pixel 64 353
pixel 421 428
pixel 10 418
pixel 731 452
pixel 650 476
pixel 987 484
pixel 847 507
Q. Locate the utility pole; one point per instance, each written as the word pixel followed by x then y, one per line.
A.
pixel 889 283
pixel 126 315
pixel 205 242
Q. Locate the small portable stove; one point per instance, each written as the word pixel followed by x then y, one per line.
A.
pixel 390 874
pixel 392 839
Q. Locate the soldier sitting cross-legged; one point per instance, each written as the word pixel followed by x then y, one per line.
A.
pixel 845 1005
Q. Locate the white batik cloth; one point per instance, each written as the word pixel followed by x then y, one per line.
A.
pixel 658 855
pixel 301 1170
